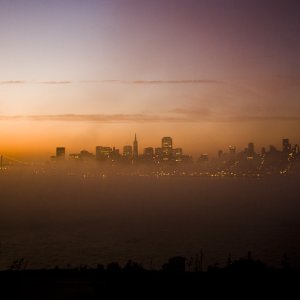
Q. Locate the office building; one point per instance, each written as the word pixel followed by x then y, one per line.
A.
pixel 286 146
pixel 103 153
pixel 177 154
pixel 250 149
pixel 167 146
pixel 127 151
pixel 84 154
pixel 232 150
pixel 60 153
pixel 149 153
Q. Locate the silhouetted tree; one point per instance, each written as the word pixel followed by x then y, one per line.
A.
pixel 113 267
pixel 201 260
pixel 132 266
pixel 229 261
pixel 100 268
pixel 189 264
pixel 176 265
pixel 285 263
pixel 213 268
pixel 247 266
pixel 17 264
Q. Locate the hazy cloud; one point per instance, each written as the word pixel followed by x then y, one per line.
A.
pixel 175 81
pixel 56 82
pixel 96 118
pixel 202 113
pixel 35 82
pixel 196 81
pixel 206 114
pixel 261 118
pixel 180 116
pixel 13 82
pixel 274 84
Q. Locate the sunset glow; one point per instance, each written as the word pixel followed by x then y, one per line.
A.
pixel 149 147
pixel 95 72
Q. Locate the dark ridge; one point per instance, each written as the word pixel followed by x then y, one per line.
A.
pixel 239 278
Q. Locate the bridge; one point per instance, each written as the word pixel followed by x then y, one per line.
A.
pixel 7 160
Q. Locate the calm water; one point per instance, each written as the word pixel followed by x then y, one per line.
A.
pixel 59 220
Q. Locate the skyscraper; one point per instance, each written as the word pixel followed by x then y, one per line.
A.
pixel 286 146
pixel 167 146
pixel 158 154
pixel 250 149
pixel 127 151
pixel 135 149
pixel 232 150
pixel 60 153
pixel 149 153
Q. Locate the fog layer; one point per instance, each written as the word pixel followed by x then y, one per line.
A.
pixel 53 218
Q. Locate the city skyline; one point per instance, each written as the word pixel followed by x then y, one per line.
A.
pixel 207 72
pixel 143 145
pixel 166 149
pixel 170 160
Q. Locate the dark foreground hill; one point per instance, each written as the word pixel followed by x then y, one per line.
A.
pixel 240 279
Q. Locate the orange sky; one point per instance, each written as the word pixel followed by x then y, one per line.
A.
pixel 29 139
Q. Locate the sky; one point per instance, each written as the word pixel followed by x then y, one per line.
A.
pixel 209 73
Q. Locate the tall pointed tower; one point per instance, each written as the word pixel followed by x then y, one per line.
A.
pixel 135 149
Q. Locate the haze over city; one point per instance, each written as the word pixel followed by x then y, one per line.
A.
pixel 148 144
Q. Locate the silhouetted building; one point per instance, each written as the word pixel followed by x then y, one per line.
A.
pixel 149 153
pixel 203 157
pixel 187 159
pixel 286 146
pixel 60 152
pixel 166 146
pixel 127 151
pixel 177 154
pixel 135 149
pixel 232 150
pixel 84 154
pixel 251 149
pixel 74 156
pixel 115 155
pixel 103 153
pixel 273 150
pixel 158 154
pixel 220 153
